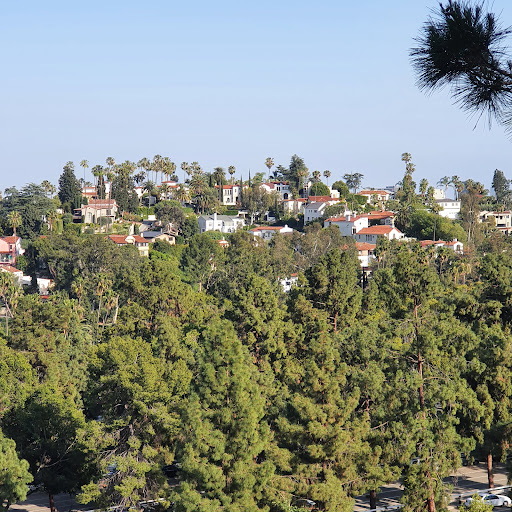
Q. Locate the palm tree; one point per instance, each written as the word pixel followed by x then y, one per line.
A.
pixel 52 217
pixel 316 176
pixel 327 175
pixel 454 180
pixel 269 162
pixel 181 194
pixel 148 186
pixel 462 46
pixel 219 175
pixel 85 165
pixel 186 170
pixel 445 181
pixel 47 186
pixel 231 170
pixel 163 190
pixel 423 186
pixel 353 181
pixel 195 168
pixel 157 166
pixel 14 220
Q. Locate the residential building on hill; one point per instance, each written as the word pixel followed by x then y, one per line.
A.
pixel 10 249
pixel 141 243
pixel 267 232
pixel 222 223
pixel 450 208
pixel 371 234
pixel 96 209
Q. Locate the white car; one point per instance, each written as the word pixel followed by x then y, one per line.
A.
pixel 496 500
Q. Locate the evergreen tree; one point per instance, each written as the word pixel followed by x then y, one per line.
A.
pixel 224 466
pixel 69 188
pixel 14 474
pixel 501 187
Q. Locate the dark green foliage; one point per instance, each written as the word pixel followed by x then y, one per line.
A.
pixel 123 191
pixel 69 188
pixel 50 432
pixel 319 189
pixel 135 394
pixel 342 188
pixel 462 47
pixel 33 205
pixel 501 187
pixel 200 259
pixel 423 225
pixel 224 431
pixel 14 474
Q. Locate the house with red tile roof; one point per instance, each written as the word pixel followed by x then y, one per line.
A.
pixel 96 209
pixel 10 249
pixel 267 232
pixel 348 224
pixel 141 243
pixel 371 234
pixel 378 195
pixel 365 253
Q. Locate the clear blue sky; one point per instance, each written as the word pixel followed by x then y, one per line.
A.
pixel 230 83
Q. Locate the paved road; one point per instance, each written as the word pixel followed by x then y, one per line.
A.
pixel 38 502
pixel 466 479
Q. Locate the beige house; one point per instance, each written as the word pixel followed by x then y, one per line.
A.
pixel 98 208
pixel 141 243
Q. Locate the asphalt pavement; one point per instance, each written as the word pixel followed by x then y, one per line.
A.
pixel 465 480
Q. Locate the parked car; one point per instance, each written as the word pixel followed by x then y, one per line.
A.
pixel 496 500
pixel 172 470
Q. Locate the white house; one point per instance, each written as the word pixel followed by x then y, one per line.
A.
pixel 378 195
pixel 288 282
pixel 349 224
pixel 316 207
pixel 222 223
pixel 96 209
pixel 371 234
pixel 267 232
pixel 365 253
pixel 502 220
pixel 281 187
pixel 294 206
pixel 455 245
pixel 450 208
pixel 230 194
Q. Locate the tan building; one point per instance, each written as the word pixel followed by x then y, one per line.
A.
pixel 96 209
pixel 141 243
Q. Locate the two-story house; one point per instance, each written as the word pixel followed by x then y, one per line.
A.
pixel 222 223
pixel 98 208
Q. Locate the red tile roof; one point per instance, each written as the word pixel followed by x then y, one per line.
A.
pixel 10 239
pixel 321 199
pixel 9 268
pixel 376 230
pixel 267 228
pixel 378 215
pixel 363 246
pixel 344 219
pixel 121 239
pixel 372 192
